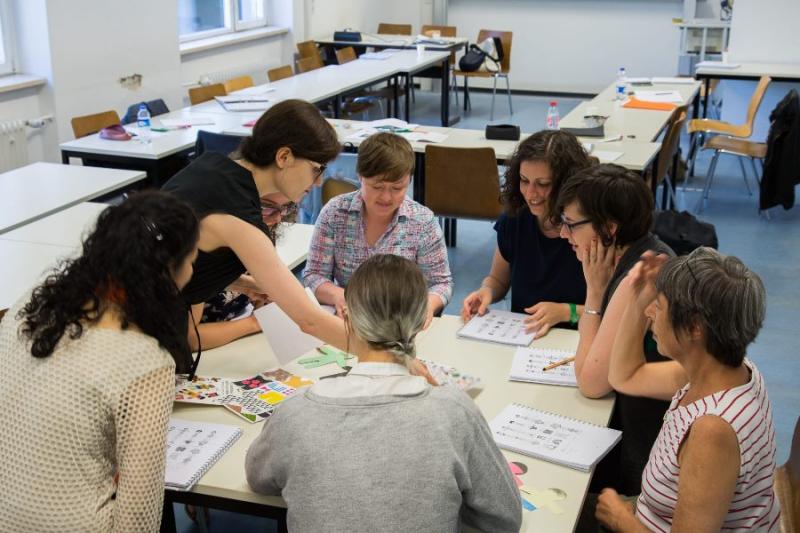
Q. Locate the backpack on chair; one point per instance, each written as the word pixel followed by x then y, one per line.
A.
pixel 484 56
pixel 683 232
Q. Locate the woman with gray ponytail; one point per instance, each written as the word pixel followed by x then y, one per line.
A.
pixel 408 456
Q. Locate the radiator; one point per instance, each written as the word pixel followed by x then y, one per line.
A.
pixel 13 145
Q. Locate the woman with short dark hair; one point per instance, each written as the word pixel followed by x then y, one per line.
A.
pixel 87 375
pixel 704 310
pixel 606 214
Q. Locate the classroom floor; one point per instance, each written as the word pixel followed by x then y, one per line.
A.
pixel 770 247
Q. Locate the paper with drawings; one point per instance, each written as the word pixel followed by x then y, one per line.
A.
pixel 528 363
pixel 503 327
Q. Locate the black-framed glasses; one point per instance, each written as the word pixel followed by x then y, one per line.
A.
pixel 268 209
pixel 572 225
pixel 318 170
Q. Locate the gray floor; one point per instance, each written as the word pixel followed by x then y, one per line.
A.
pixel 769 247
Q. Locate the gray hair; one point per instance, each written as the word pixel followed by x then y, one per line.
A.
pixel 719 294
pixel 387 304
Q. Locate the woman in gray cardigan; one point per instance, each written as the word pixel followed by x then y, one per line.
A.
pixel 381 449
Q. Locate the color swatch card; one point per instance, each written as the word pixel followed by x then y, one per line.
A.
pixel 193 448
pixel 448 375
pixel 555 438
pixel 503 327
pixel 260 394
pixel 528 365
pixel 203 390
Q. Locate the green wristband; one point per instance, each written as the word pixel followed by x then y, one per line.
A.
pixel 573 314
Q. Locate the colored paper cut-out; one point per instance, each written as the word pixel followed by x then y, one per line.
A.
pixel 528 506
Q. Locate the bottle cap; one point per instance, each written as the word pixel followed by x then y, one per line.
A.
pixel 553 102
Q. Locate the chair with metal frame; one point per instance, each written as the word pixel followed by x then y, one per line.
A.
pixel 89 124
pixel 237 84
pixel 445 31
pixel 204 93
pixel 386 28
pixel 280 73
pixel 505 69
pixel 667 162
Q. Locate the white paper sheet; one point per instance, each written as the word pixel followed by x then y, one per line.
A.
pixel 670 97
pixel 287 340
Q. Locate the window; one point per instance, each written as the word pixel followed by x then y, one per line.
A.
pixel 198 19
pixel 6 39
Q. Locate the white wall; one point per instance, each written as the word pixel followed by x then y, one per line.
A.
pixel 577 45
pixel 326 16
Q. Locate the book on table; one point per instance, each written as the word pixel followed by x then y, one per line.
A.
pixel 551 437
pixel 528 365
pixel 503 327
pixel 193 448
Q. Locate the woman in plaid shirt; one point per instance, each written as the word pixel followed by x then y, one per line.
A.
pixel 379 218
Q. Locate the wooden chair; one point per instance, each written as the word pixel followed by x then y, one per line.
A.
pixel 198 95
pixel 307 64
pixel 445 31
pixel 787 486
pixel 89 124
pixel 722 144
pixel 666 165
pixel 461 183
pixel 346 55
pixel 280 73
pixel 363 100
pixel 334 187
pixel 394 29
pixel 308 49
pixel 705 126
pixel 237 84
pixel 505 69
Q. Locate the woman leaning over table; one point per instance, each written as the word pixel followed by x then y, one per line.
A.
pixel 87 375
pixel 283 159
pixel 606 214
pixel 541 270
pixel 380 449
pixel 378 218
pixel 712 466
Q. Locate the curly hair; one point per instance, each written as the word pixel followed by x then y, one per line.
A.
pixel 128 260
pixel 609 193
pixel 562 152
pixel 295 124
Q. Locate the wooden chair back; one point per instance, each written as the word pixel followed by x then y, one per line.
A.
pixel 444 31
pixel 280 73
pixel 236 84
pixel 198 95
pixel 505 38
pixel 334 187
pixel 308 49
pixel 306 64
pixel 670 143
pixel 755 103
pixel 462 182
pixel 394 29
pixel 345 55
pixel 787 486
pixel 89 124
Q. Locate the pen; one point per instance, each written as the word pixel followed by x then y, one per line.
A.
pixel 668 92
pixel 558 363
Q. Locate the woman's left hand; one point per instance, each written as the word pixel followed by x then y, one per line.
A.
pixel 615 513
pixel 545 315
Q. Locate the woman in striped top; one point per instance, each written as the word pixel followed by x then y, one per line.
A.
pixel 712 465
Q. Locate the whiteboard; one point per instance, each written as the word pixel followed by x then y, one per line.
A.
pixel 765 32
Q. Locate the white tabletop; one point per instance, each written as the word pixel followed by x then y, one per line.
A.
pixel 40 189
pixel 294 241
pixel 400 41
pixel 248 356
pixel 23 266
pixel 65 228
pixel 753 70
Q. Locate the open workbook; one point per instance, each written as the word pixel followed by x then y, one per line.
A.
pixel 193 448
pixel 529 364
pixel 555 438
pixel 503 327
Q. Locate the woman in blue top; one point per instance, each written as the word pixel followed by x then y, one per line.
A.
pixel 545 278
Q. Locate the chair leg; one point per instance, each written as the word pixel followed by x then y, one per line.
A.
pixel 755 170
pixel 744 176
pixel 691 158
pixel 467 103
pixel 454 86
pixel 508 91
pixel 494 93
pixel 709 178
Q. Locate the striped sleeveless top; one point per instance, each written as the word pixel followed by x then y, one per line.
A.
pixel 747 409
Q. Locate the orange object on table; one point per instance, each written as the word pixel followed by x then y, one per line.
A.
pixel 634 103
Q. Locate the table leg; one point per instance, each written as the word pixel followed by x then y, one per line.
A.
pixel 446 92
pixel 395 97
pixel 168 515
pixel 64 158
pixel 408 98
pixel 418 191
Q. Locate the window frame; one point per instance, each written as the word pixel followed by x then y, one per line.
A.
pixel 9 66
pixel 232 23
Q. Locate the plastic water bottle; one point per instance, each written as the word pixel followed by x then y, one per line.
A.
pixel 621 80
pixel 143 121
pixel 552 116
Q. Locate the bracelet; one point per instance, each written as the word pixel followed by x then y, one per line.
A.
pixel 591 311
pixel 573 314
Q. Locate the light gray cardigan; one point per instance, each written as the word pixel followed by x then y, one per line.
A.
pixel 420 463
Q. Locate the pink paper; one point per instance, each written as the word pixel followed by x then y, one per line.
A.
pixel 516 470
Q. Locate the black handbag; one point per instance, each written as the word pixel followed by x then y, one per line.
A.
pixel 472 60
pixel 502 132
pixel 683 232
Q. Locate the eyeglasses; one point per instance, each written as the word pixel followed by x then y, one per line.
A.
pixel 572 225
pixel 268 209
pixel 318 170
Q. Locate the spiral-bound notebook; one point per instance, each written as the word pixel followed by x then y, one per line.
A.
pixel 529 362
pixel 555 438
pixel 503 327
pixel 193 448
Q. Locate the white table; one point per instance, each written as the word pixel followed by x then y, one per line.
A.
pixel 65 228
pixel 381 41
pixel 225 485
pixel 40 189
pixel 23 266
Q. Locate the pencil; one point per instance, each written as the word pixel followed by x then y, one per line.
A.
pixel 559 363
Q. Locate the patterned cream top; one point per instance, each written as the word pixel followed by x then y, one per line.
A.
pixel 69 423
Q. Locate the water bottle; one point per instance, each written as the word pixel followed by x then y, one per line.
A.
pixel 143 121
pixel 621 79
pixel 552 116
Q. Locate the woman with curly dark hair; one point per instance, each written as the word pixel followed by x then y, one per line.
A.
pixel 87 375
pixel 542 272
pixel 283 159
